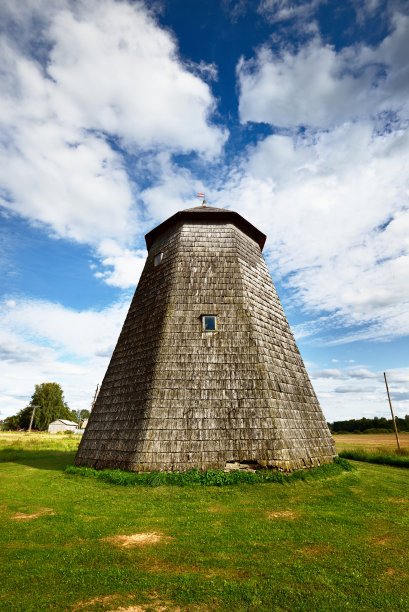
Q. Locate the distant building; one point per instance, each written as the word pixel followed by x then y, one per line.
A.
pixel 206 372
pixel 62 425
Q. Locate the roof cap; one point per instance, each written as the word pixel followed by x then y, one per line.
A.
pixel 207 213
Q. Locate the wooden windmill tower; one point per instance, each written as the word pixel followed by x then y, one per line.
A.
pixel 206 372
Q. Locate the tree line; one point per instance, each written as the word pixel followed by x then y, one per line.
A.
pixel 50 405
pixel 375 425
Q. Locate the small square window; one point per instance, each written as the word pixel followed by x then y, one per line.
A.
pixel 208 322
pixel 157 259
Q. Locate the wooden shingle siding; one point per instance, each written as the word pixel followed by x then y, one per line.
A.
pixel 176 396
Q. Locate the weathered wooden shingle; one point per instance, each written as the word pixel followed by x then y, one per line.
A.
pixel 176 397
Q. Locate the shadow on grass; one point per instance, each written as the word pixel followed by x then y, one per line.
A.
pixel 40 459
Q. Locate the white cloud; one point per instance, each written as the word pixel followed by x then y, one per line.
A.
pixel 349 399
pixel 283 10
pixel 333 200
pixel 72 333
pixel 103 74
pixel 329 373
pixel 363 373
pixel 335 209
pixel 125 266
pixel 319 87
pixel 400 396
pixel 123 76
pixel 44 342
pixel 360 389
pixel 174 189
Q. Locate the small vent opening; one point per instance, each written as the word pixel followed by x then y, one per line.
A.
pixel 157 259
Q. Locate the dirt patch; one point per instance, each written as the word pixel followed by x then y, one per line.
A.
pixel 21 516
pixel 288 514
pixel 159 566
pixel 380 541
pixel 217 509
pixel 136 539
pixel 73 543
pixel 158 606
pixel 317 550
pixel 104 599
pixel 132 609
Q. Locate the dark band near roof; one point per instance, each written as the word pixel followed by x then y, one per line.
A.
pixel 207 213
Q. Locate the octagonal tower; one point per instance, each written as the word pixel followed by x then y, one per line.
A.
pixel 206 372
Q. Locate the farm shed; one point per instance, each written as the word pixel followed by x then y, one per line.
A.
pixel 206 372
pixel 62 425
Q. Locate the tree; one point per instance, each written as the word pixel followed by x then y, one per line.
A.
pixel 49 399
pixel 50 405
pixel 10 422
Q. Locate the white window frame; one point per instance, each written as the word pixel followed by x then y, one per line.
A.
pixel 203 317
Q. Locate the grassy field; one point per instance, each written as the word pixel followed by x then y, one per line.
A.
pixel 371 441
pixel 73 543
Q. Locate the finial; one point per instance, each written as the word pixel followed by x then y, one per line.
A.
pixel 202 195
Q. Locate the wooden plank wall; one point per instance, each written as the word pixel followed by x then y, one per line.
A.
pixel 176 397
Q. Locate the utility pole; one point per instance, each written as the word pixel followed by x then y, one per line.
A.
pixel 32 417
pixel 393 416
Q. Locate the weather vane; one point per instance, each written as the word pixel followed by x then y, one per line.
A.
pixel 201 195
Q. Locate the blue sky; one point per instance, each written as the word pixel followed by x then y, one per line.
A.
pixel 293 113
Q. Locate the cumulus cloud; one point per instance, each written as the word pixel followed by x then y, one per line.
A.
pixel 174 189
pixel 363 373
pixel 42 341
pixel 124 265
pixel 123 75
pixel 400 396
pixel 362 392
pixel 320 87
pixel 73 333
pixel 82 84
pixel 330 373
pixel 335 209
pixel 353 389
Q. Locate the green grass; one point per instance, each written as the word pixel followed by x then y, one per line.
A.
pixel 377 456
pixel 216 478
pixel 334 544
pixel 11 442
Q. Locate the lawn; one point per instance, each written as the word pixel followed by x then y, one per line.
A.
pixel 74 543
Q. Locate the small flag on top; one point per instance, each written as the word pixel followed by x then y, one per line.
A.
pixel 202 195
